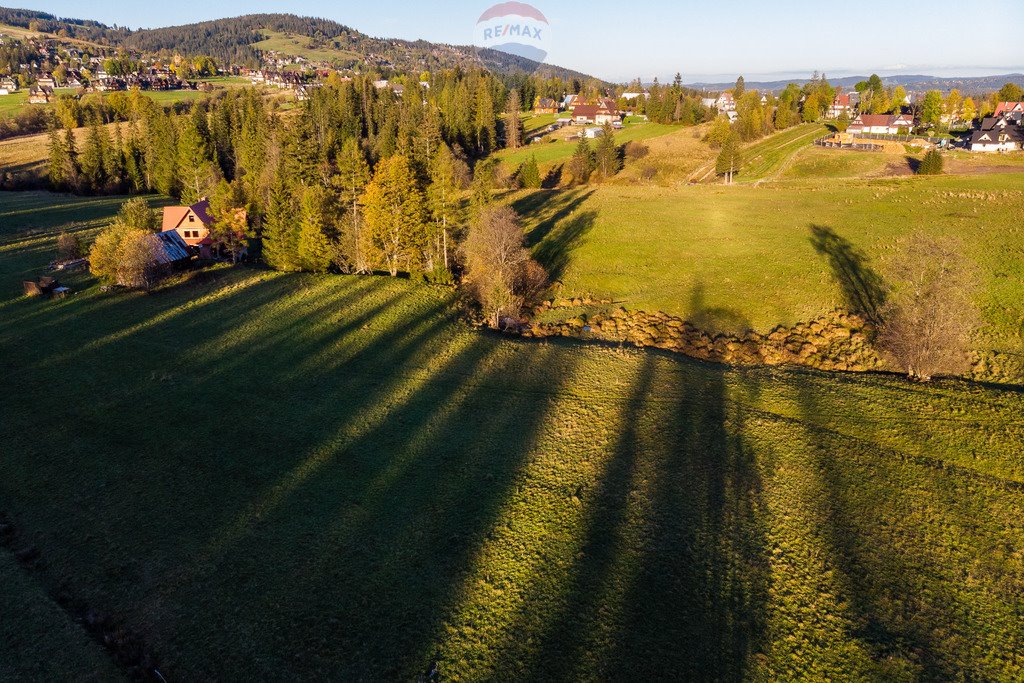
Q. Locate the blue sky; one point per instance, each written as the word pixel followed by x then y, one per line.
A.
pixel 705 41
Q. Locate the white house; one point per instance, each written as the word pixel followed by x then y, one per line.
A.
pixel 725 103
pixel 841 104
pixel 997 139
pixel 881 124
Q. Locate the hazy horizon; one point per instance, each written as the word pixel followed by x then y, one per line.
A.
pixel 703 43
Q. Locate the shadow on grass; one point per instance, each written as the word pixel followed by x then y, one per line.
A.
pixel 559 226
pixel 864 290
pixel 670 576
pixel 296 477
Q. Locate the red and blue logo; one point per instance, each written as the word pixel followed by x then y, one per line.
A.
pixel 515 28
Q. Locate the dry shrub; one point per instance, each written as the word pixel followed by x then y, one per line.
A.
pixel 500 273
pixel 648 172
pixel 931 316
pixel 634 151
pixel 69 247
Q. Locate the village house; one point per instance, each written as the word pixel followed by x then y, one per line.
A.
pixel 1010 110
pixel 545 105
pixel 599 114
pixel 725 103
pixel 8 85
pixel 881 124
pixel 47 81
pixel 998 139
pixel 997 134
pixel 192 224
pixel 841 104
pixel 630 96
pixel 39 95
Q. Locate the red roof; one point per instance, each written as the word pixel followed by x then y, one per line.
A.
pixel 1008 107
pixel 174 215
pixel 841 101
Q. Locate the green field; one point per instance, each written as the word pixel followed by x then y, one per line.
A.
pixel 13 103
pixel 748 251
pixel 38 640
pixel 548 153
pixel 300 46
pixel 289 476
pixel 767 157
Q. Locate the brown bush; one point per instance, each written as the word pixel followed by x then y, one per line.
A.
pixel 68 247
pixel 929 320
pixel 634 151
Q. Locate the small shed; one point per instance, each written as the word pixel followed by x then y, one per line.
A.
pixel 169 249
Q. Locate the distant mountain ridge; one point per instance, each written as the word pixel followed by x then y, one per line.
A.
pixel 913 82
pixel 232 40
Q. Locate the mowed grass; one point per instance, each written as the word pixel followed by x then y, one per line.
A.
pixel 821 162
pixel 747 251
pixel 13 103
pixel 767 157
pixel 289 476
pixel 549 153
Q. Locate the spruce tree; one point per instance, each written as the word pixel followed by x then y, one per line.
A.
pixel 443 200
pixel 395 217
pixel 314 247
pixel 529 174
pixel 91 160
pixel 513 121
pixel 350 182
pixel 582 163
pixel 60 162
pixel 279 238
pixel 195 168
pixel 606 154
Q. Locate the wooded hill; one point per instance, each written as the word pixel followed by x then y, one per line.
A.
pixel 231 41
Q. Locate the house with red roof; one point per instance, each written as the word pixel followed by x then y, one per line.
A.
pixel 1011 110
pixel 841 104
pixel 192 223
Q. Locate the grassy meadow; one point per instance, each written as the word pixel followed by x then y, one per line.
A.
pixel 13 103
pixel 294 476
pixel 750 251
pixel 300 46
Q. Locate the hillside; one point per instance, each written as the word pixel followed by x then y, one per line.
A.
pixel 239 40
pixel 413 491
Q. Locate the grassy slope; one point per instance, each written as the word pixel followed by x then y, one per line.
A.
pixel 38 641
pixel 298 476
pixel 747 250
pixel 298 46
pixel 550 153
pixel 766 157
pixel 13 103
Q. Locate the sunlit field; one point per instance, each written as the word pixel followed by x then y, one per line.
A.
pixel 748 252
pixel 298 476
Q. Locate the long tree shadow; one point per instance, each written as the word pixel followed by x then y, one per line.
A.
pixel 864 290
pixel 881 514
pixel 546 209
pixel 670 578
